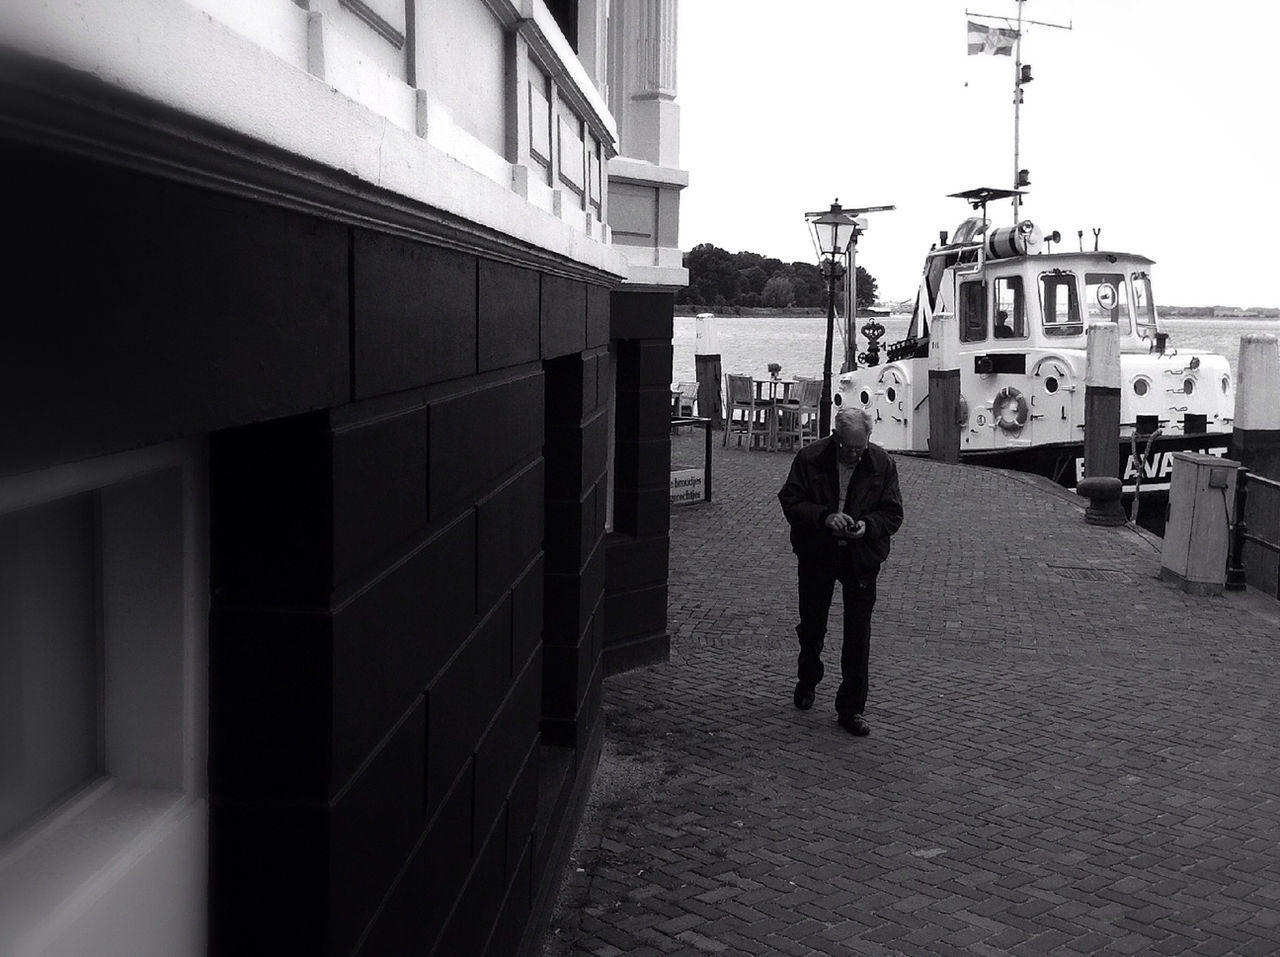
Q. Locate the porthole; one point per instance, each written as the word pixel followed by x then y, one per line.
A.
pixel 836 400
pixel 891 394
pixel 1188 386
pixel 864 397
pixel 1051 385
pixel 1141 386
pixel 1226 384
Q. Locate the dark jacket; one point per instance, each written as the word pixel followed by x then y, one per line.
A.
pixel 812 492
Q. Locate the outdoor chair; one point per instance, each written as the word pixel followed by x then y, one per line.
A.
pixel 746 414
pixel 798 414
pixel 683 397
pixel 688 397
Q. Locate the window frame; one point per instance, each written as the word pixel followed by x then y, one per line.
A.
pixel 121 865
pixel 1145 329
pixel 1019 323
pixel 1122 312
pixel 966 314
pixel 1074 325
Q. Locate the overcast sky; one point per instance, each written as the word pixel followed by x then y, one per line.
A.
pixel 1152 119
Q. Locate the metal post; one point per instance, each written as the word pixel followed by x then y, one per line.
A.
pixel 824 402
pixel 1236 579
pixel 851 305
pixel 706 467
pixel 1017 107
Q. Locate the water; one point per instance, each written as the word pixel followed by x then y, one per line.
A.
pixel 749 343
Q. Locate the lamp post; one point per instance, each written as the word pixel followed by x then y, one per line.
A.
pixel 832 230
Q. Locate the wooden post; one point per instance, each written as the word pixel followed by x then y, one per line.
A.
pixel 706 363
pixel 1255 444
pixel 1255 436
pixel 944 389
pixel 1102 424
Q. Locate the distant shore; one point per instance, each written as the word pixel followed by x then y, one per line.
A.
pixel 1216 312
pixel 1230 313
pixel 772 312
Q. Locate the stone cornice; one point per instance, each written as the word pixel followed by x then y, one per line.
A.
pixel 50 105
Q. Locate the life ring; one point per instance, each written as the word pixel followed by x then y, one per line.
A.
pixel 1010 409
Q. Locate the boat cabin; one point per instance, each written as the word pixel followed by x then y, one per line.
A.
pixel 1019 333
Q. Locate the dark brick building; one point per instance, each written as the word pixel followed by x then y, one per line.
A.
pixel 331 483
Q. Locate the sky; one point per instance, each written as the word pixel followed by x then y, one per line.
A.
pixel 1154 120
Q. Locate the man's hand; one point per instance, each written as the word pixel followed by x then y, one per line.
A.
pixel 845 525
pixel 840 523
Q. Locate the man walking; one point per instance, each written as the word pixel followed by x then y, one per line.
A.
pixel 843 504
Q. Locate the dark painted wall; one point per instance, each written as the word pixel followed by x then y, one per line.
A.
pixel 636 602
pixel 408 483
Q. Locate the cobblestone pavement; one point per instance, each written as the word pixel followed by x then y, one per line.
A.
pixel 1067 755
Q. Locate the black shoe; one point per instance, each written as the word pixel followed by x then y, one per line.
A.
pixel 803 696
pixel 855 724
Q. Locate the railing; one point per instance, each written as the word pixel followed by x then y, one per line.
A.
pixel 1236 576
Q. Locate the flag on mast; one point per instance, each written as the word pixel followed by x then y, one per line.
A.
pixel 993 40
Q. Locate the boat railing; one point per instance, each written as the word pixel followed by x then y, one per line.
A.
pixel 1268 505
pixel 912 347
pixel 971 258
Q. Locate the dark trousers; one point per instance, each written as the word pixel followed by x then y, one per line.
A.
pixel 817 585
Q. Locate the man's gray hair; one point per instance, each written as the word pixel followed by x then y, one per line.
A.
pixel 854 416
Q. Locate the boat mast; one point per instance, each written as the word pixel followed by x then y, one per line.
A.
pixel 1017 111
pixel 1019 79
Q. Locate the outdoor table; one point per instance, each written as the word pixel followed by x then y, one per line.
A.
pixel 774 391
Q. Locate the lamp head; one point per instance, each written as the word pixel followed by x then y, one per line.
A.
pixel 833 229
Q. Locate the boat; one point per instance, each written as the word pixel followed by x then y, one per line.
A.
pixel 1022 305
pixel 1021 313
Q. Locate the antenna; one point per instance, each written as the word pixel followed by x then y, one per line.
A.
pixel 1020 76
pixel 979 196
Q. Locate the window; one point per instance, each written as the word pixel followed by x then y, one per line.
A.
pixel 103 599
pixel 565 13
pixel 1011 309
pixel 973 312
pixel 1144 307
pixel 1059 304
pixel 49 740
pixel 1106 298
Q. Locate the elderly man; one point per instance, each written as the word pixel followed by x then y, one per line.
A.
pixel 843 504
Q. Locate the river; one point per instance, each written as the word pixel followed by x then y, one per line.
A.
pixel 749 343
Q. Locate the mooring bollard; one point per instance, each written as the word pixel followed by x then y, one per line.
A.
pixel 944 389
pixel 1102 427
pixel 1103 493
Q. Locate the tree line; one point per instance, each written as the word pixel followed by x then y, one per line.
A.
pixel 719 279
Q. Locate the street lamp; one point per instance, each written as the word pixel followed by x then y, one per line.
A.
pixel 833 229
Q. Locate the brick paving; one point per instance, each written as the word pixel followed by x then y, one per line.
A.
pixel 1067 755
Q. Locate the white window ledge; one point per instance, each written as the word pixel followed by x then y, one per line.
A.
pixel 115 871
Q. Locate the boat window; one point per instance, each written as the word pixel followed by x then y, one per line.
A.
pixel 1011 309
pixel 1106 299
pixel 1144 307
pixel 973 312
pixel 1060 304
